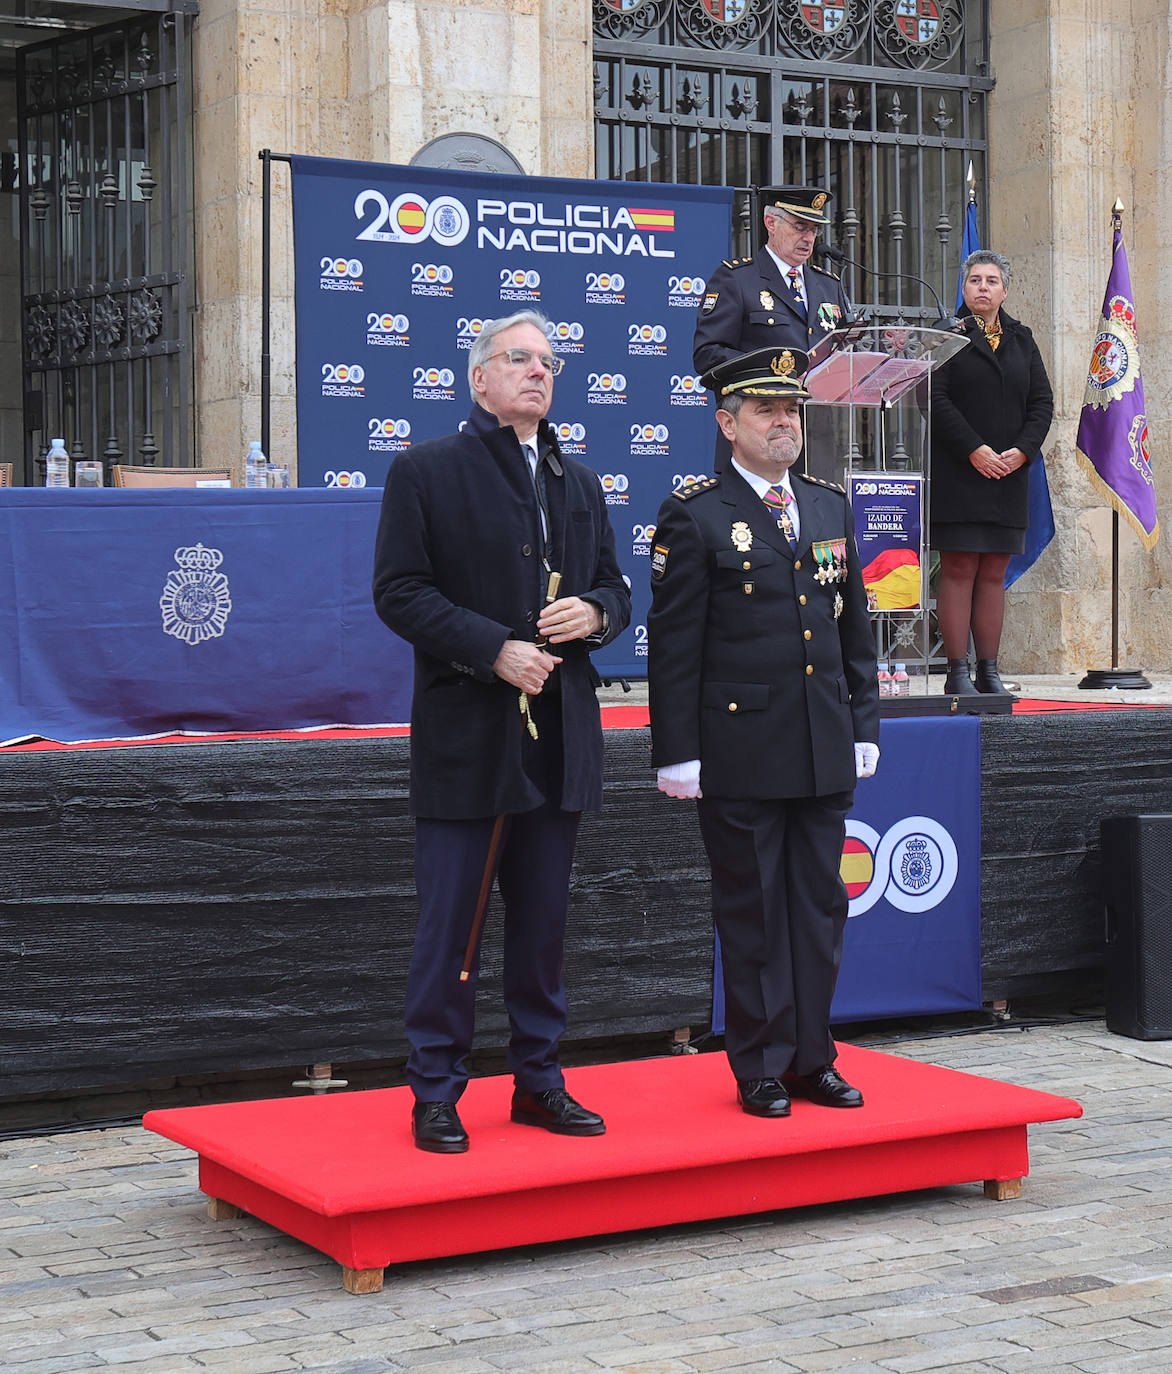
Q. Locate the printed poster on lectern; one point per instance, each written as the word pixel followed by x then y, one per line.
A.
pixel 398 268
pixel 888 510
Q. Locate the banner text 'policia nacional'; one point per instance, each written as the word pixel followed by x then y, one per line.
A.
pixel 397 271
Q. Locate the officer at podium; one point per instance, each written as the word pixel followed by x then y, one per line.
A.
pixel 777 298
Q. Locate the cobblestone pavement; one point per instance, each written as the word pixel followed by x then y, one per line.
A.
pixel 108 1260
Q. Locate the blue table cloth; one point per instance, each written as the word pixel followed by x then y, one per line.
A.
pixel 139 612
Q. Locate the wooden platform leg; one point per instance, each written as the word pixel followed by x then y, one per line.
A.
pixel 1002 1189
pixel 362 1280
pixel 219 1210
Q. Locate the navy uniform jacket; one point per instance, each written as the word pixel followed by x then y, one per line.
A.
pixel 749 669
pixel 457 572
pixel 748 304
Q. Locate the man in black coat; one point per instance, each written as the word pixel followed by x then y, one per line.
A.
pixel 776 299
pixel 764 707
pixel 472 526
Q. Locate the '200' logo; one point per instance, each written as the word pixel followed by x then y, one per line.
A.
pixel 913 866
pixel 411 219
pixel 339 269
pixel 343 373
pixel 606 381
pixel 434 376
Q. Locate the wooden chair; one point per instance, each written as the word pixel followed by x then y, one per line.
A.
pixel 129 475
pixel 5 474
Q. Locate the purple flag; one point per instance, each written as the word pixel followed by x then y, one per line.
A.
pixel 1113 431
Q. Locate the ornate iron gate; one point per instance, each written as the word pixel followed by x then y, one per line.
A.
pixel 104 134
pixel 882 103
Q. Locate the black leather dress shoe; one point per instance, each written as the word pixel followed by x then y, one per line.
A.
pixel 555 1110
pixel 436 1127
pixel 763 1096
pixel 827 1088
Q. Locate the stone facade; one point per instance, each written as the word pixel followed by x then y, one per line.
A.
pixel 342 78
pixel 1079 117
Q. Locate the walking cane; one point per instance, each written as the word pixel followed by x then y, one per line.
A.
pixel 498 825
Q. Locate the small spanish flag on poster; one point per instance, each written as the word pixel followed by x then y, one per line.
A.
pixel 662 221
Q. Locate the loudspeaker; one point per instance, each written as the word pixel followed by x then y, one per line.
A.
pixel 1137 890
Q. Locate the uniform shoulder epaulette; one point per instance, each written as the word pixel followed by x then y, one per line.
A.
pixel 825 269
pixel 736 262
pixel 820 482
pixel 695 488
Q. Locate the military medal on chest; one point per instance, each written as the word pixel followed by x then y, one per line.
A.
pixel 830 555
pixel 742 537
pixel 837 604
pixel 767 300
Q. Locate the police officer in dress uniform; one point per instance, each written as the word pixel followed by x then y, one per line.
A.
pixel 764 707
pixel 778 297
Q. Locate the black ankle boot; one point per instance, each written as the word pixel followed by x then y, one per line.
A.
pixel 958 683
pixel 987 679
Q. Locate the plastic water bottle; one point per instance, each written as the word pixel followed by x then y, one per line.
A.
pixel 884 681
pixel 256 467
pixel 900 684
pixel 57 464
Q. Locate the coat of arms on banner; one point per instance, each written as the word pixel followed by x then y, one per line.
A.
pixel 1115 356
pixel 196 600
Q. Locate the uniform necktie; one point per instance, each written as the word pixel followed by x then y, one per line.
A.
pixel 779 501
pixel 795 285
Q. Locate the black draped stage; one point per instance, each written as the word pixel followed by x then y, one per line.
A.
pixel 226 907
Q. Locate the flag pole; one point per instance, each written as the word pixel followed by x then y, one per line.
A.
pixel 1114 678
pixel 1114 590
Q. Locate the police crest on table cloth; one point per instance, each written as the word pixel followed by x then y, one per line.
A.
pixel 196 599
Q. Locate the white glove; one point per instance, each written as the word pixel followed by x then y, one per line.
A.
pixel 681 780
pixel 866 760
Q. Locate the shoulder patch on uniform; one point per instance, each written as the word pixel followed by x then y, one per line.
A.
pixel 819 482
pixel 826 270
pixel 695 488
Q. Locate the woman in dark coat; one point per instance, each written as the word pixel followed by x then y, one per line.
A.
pixel 991 410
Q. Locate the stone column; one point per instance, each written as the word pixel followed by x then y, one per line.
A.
pixel 341 78
pixel 1079 117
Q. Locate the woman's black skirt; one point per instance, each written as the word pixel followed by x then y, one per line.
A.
pixel 976 536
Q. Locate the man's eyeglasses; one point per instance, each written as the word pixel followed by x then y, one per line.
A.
pixel 522 357
pixel 802 227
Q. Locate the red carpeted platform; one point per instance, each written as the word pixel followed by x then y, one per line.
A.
pixel 341 1173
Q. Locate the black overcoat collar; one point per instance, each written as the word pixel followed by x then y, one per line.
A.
pixel 979 346
pixel 503 438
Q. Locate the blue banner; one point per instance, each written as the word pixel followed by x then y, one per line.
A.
pixel 912 868
pixel 141 612
pixel 398 268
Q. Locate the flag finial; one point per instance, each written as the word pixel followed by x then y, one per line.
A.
pixel 1117 208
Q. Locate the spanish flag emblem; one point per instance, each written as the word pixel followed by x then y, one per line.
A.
pixel 662 221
